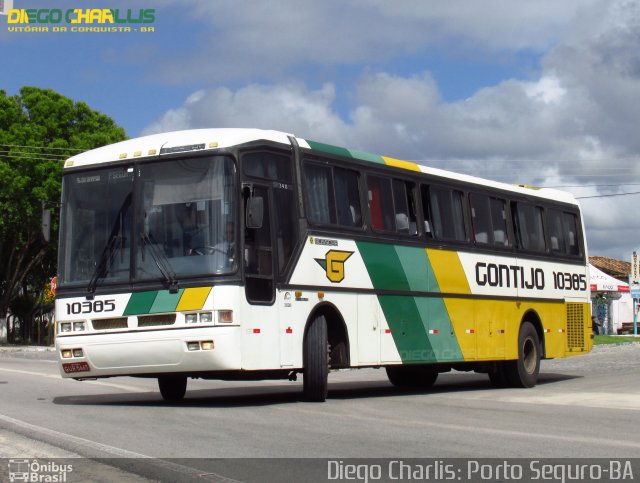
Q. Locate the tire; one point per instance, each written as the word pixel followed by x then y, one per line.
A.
pixel 315 382
pixel 498 376
pixel 172 388
pixel 422 377
pixel 524 371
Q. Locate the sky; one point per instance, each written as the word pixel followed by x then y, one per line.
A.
pixel 544 93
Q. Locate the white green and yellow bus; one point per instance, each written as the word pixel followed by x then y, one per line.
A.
pixel 251 254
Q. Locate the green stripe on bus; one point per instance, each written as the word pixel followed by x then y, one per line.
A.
pixel 421 329
pixel 328 148
pixel 374 158
pixel 420 326
pixel 407 329
pixel 417 269
pixel 140 303
pixel 384 267
pixel 166 302
pixel 440 331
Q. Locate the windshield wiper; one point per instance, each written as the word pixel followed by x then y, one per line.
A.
pixel 161 261
pixel 106 258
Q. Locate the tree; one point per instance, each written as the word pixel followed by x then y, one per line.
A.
pixel 39 129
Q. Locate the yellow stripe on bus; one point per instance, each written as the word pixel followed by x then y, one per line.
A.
pixel 193 298
pixel 448 271
pixel 451 279
pixel 398 163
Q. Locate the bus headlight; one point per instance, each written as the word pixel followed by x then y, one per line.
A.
pixel 225 316
pixel 206 317
pixel 78 326
pixel 191 318
pixel 65 327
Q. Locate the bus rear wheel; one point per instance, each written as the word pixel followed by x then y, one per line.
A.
pixel 412 376
pixel 172 388
pixel 524 371
pixel 316 361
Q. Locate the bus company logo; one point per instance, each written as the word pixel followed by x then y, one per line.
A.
pixel 77 19
pixel 333 264
pixel 26 470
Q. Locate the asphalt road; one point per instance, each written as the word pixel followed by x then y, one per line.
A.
pixel 586 407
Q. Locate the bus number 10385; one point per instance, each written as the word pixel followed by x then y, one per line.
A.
pixel 569 281
pixel 89 306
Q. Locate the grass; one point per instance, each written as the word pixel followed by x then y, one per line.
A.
pixel 614 339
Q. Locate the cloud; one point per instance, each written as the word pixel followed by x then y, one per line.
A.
pixel 574 125
pixel 270 40
pixel 287 107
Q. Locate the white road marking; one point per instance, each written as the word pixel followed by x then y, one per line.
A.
pixel 57 376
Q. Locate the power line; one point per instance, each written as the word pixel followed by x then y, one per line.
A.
pixel 37 158
pixel 607 196
pixel 592 185
pixel 24 154
pixel 40 147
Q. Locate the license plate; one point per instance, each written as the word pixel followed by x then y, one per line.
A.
pixel 72 367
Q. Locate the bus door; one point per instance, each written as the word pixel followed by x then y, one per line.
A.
pixel 260 317
pixel 258 246
pixel 268 249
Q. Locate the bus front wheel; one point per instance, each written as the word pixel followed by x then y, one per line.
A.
pixel 316 361
pixel 523 372
pixel 172 388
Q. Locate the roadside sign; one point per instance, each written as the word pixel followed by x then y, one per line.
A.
pixel 54 285
pixel 635 269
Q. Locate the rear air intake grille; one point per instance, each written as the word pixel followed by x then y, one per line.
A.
pixel 575 327
pixel 105 324
pixel 156 319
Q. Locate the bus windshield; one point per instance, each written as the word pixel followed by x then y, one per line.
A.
pixel 178 217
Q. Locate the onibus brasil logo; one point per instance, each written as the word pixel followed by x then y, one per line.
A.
pixel 333 264
pixel 38 471
pixel 77 19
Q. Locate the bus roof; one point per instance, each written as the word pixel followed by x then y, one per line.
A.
pixel 195 140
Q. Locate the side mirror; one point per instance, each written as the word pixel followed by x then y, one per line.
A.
pixel 255 212
pixel 46 223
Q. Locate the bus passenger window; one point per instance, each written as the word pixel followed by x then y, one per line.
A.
pixel 333 196
pixel 481 218
pixel 556 232
pixel 426 211
pixel 445 206
pixel 404 207
pixel 499 222
pixel 347 197
pixel 571 231
pixel 488 220
pixel 319 194
pixel 380 203
pixel 527 222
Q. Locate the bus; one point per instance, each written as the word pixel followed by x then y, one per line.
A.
pixel 245 254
